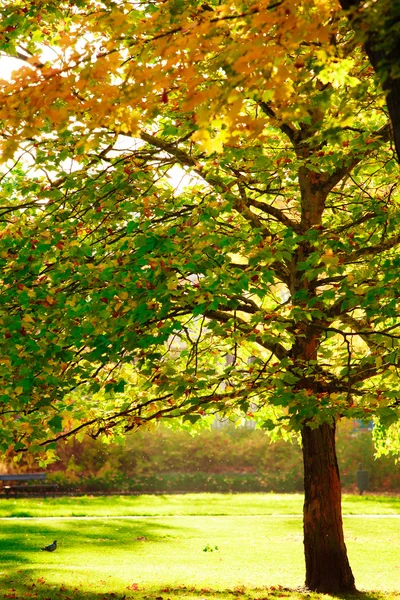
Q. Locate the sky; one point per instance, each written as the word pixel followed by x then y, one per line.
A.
pixel 179 179
pixel 7 66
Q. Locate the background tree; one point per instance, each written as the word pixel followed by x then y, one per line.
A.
pixel 378 27
pixel 186 183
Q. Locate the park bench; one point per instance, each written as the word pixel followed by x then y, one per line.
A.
pixel 15 484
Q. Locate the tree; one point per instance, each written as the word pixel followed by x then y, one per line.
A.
pixel 124 290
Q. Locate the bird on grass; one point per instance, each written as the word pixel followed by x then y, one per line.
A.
pixel 50 547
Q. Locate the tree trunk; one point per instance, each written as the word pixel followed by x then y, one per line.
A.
pixel 327 566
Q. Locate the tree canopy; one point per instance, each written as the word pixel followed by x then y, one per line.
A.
pixel 185 181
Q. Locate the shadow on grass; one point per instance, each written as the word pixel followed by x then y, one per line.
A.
pixel 19 540
pixel 27 573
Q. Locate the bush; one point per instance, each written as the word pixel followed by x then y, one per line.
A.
pixel 179 482
pixel 227 460
pixel 355 447
pixel 223 460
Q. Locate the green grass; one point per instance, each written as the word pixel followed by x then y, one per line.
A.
pixel 187 504
pixel 161 505
pixel 183 547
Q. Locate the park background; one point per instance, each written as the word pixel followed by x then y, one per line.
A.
pixel 226 458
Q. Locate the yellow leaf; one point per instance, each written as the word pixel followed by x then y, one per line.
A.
pixel 329 258
pixel 210 144
pixel 172 285
pixel 28 319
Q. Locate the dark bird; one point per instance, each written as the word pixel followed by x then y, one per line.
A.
pixel 51 547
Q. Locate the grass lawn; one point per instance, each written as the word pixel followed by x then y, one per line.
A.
pixel 182 547
pixel 187 504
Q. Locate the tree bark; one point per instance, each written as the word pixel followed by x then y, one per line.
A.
pixel 327 566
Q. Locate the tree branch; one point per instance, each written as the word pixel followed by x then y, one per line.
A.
pixel 278 214
pixel 293 134
pixel 378 248
pixel 276 348
pixel 329 181
pixel 220 186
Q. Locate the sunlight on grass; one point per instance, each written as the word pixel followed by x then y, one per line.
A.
pixel 172 551
pixel 186 504
pixel 244 543
pixel 374 553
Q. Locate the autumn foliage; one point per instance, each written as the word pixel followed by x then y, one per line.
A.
pixel 278 245
pixel 199 215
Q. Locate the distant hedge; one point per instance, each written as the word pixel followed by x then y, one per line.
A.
pixel 227 460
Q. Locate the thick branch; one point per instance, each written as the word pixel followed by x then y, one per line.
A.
pixel 292 133
pixel 220 186
pixel 370 250
pixel 364 219
pixel 276 213
pixel 276 348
